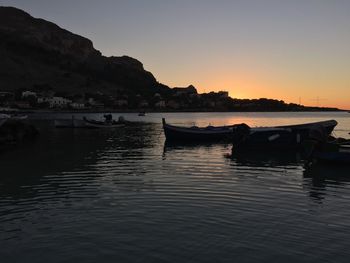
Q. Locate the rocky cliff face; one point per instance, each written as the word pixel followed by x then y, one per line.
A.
pixel 16 25
pixel 37 52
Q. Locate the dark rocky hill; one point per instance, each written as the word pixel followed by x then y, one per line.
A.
pixel 35 52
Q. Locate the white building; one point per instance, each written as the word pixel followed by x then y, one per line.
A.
pixel 223 94
pixel 28 93
pixel 43 99
pixel 59 102
pixel 173 104
pixel 143 104
pixel 77 105
pixel 121 103
pixel 160 104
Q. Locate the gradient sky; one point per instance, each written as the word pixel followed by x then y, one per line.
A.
pixel 289 50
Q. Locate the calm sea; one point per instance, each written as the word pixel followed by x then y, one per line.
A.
pixel 123 196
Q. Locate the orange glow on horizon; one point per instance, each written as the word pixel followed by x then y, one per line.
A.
pixel 255 83
pixel 248 89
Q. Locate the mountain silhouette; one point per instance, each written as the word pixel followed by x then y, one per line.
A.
pixel 35 52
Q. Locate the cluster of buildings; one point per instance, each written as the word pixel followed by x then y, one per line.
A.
pixel 179 98
pixel 185 98
pixel 51 101
pixel 30 99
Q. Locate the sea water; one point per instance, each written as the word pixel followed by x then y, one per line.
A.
pixel 123 195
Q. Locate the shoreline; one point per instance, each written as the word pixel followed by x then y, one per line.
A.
pixel 47 111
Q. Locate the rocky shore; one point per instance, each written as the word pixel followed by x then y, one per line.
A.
pixel 15 131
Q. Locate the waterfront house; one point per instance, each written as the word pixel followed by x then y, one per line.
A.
pixel 160 104
pixel 173 104
pixel 143 104
pixel 59 102
pixel 185 91
pixel 77 105
pixel 26 94
pixel 121 103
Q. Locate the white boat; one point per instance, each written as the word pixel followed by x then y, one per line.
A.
pixel 90 123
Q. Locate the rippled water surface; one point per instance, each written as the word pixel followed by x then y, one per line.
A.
pixel 122 195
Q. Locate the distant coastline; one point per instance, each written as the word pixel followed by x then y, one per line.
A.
pixel 47 111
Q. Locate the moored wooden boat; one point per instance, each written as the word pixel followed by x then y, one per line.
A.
pixel 289 136
pixel 338 157
pixel 332 152
pixel 90 123
pixel 194 133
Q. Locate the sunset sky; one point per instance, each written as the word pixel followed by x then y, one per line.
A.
pixel 286 50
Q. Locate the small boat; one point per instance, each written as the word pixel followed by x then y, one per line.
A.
pixel 331 152
pixel 289 136
pixel 90 123
pixel 194 133
pixel 342 156
pixel 142 113
pixel 102 124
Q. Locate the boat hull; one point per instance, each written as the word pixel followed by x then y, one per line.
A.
pixel 291 136
pixel 333 153
pixel 333 157
pixel 196 134
pixel 173 134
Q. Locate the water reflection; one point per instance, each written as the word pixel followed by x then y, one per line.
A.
pixel 269 158
pixel 320 177
pixel 112 192
pixel 202 147
pixel 63 159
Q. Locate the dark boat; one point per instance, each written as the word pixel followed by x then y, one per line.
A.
pixel 332 152
pixel 242 134
pixel 194 133
pixel 290 136
pixel 334 157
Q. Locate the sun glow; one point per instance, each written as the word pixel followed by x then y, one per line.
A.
pixel 244 86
